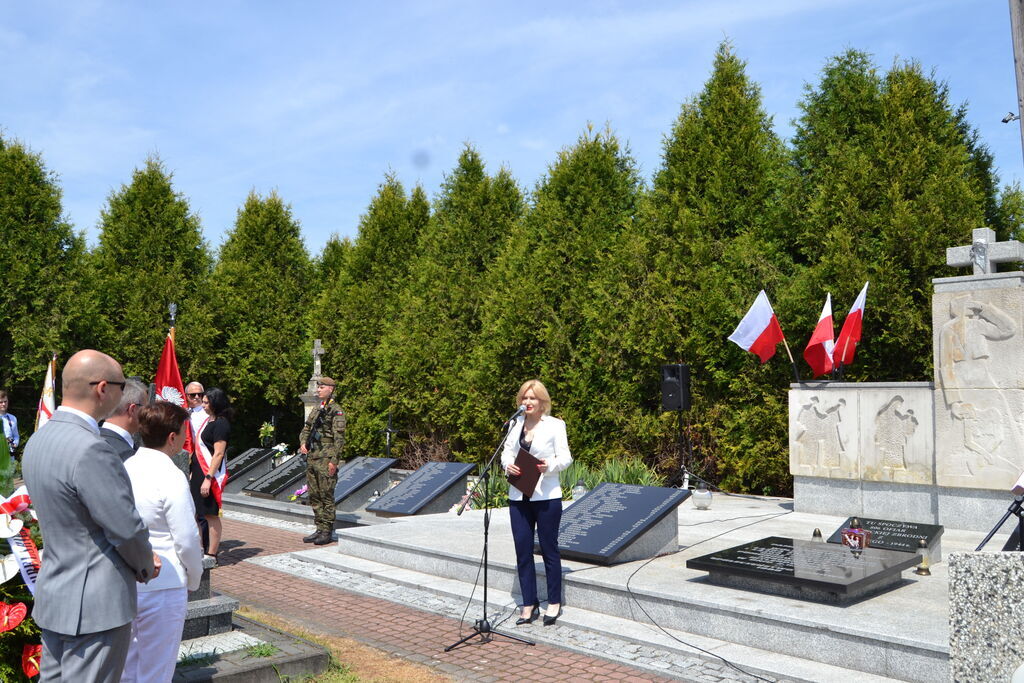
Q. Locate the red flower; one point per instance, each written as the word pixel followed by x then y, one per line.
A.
pixel 30 657
pixel 11 615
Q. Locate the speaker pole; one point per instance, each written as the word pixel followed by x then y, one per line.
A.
pixel 683 454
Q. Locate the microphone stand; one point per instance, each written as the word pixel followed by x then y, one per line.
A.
pixel 1014 542
pixel 482 627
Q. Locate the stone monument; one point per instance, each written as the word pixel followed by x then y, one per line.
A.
pixel 310 399
pixel 941 452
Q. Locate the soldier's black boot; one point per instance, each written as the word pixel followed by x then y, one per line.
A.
pixel 323 538
pixel 312 537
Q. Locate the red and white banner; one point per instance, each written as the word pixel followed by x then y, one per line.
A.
pixel 818 353
pixel 22 545
pixel 47 402
pixel 849 337
pixel 759 331
pixel 168 383
pixel 18 502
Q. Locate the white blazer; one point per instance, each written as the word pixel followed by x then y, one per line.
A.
pixel 549 444
pixel 164 502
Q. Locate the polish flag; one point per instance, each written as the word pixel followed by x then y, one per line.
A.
pixel 846 345
pixel 759 331
pixel 168 383
pixel 47 403
pixel 818 353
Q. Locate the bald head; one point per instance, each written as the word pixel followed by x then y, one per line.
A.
pixel 87 380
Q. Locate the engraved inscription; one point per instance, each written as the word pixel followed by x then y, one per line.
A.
pixel 421 487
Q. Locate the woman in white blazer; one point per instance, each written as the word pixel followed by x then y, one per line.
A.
pixel 544 438
pixel 164 502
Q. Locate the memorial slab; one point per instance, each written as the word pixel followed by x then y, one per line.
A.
pixel 806 570
pixel 901 536
pixel 249 466
pixel 617 523
pixel 357 481
pixel 433 488
pixel 280 482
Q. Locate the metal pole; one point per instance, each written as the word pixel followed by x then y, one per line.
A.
pixel 1016 28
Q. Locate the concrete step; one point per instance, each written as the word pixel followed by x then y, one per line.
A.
pixel 638 632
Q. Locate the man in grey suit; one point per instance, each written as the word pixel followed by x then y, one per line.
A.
pixel 95 545
pixel 120 428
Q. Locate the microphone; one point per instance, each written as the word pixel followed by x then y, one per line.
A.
pixel 520 411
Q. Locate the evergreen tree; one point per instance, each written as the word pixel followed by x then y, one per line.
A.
pixel 351 315
pixel 715 234
pixel 425 346
pixel 150 254
pixel 534 313
pixel 261 289
pixel 884 188
pixel 42 306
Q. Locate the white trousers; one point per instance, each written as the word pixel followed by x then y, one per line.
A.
pixel 156 635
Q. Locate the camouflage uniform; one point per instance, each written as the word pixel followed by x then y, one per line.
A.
pixel 321 484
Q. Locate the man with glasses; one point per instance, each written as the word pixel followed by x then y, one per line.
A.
pixel 321 441
pixel 96 544
pixel 197 416
pixel 120 429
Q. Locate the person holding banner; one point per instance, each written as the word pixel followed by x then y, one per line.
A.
pixel 208 472
pixel 536 440
pixel 164 502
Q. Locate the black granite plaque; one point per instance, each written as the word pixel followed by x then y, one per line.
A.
pixel 249 462
pixel 279 479
pixel 805 569
pixel 357 473
pixel 892 535
pixel 606 520
pixel 421 487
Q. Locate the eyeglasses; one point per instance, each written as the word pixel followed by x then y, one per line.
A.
pixel 111 382
pixel 197 395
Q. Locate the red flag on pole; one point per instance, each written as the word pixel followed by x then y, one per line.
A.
pixel 818 353
pixel 849 337
pixel 759 331
pixel 168 383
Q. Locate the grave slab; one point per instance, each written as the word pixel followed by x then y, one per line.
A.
pixel 357 481
pixel 431 489
pixel 281 481
pixel 248 467
pixel 806 570
pixel 895 535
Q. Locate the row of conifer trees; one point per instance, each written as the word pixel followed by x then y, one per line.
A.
pixel 439 308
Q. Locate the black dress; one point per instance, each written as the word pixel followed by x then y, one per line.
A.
pixel 215 430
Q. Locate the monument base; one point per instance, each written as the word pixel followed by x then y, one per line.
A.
pixel 953 508
pixel 986 615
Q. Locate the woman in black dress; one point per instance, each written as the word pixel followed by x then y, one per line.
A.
pixel 207 474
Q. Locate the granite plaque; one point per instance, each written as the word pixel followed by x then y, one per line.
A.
pixel 358 479
pixel 247 467
pixel 891 535
pixel 427 490
pixel 810 570
pixel 279 480
pixel 601 526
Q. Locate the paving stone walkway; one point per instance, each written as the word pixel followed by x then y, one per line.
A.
pixel 418 625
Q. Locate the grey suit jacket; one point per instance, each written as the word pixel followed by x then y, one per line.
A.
pixel 117 442
pixel 95 545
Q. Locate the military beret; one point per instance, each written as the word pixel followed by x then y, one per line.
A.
pixel 328 381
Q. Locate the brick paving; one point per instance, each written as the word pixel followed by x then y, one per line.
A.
pixel 403 631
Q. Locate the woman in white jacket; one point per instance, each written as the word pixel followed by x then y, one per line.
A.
pixel 164 502
pixel 544 438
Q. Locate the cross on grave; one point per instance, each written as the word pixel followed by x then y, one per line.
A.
pixel 984 252
pixel 318 351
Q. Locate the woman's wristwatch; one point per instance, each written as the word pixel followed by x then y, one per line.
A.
pixel 210 477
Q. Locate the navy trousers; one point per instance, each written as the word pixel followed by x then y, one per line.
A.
pixel 542 516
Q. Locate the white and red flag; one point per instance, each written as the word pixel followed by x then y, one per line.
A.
pixel 759 331
pixel 849 337
pixel 818 353
pixel 47 402
pixel 168 383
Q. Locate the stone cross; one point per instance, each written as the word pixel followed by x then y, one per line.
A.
pixel 984 252
pixel 318 352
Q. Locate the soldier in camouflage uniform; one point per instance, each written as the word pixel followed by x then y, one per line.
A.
pixel 322 440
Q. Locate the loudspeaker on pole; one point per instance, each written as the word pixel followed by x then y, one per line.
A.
pixel 675 387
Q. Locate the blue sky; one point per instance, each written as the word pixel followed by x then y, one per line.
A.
pixel 319 100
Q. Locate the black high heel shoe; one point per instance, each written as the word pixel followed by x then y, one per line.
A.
pixel 550 621
pixel 533 616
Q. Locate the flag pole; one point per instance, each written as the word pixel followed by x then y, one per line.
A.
pixel 172 309
pixel 792 363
